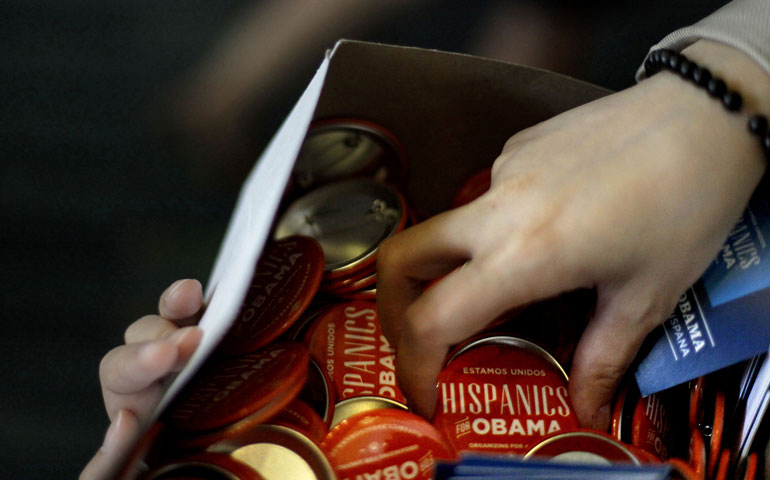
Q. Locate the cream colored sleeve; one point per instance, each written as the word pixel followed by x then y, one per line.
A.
pixel 743 24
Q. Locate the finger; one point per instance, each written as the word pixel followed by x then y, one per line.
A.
pixel 461 305
pixel 605 350
pixel 148 328
pixel 182 302
pixel 153 327
pixel 408 260
pixel 131 368
pixel 131 375
pixel 141 403
pixel 120 436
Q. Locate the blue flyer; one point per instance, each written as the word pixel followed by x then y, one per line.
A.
pixel 724 318
pixel 483 467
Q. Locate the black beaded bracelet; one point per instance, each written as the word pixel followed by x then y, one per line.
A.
pixel 716 87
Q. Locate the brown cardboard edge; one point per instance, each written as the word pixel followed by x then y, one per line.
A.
pixel 452 112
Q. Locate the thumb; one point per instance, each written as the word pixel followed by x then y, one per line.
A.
pixel 607 347
pixel 121 435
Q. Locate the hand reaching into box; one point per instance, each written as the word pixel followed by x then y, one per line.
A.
pixel 632 195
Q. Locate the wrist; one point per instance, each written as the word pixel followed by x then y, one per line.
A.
pixel 737 90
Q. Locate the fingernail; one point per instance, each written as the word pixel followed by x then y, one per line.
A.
pixel 173 289
pixel 601 419
pixel 109 437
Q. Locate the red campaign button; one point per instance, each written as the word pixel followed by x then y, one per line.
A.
pixel 717 431
pixel 697 387
pixel 722 465
pixel 362 295
pixel 342 147
pixel 681 470
pixel 583 446
pixel 346 341
pixel 349 219
pixel 751 466
pixel 256 385
pixel 385 443
pixel 301 418
pixel 277 452
pixel 474 187
pixel 214 466
pixel 651 428
pixel 285 281
pixel 697 453
pixel 617 420
pixel 352 285
pixel 503 395
pixel 318 393
pixel 644 456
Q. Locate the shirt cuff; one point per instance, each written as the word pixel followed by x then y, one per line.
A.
pixel 742 24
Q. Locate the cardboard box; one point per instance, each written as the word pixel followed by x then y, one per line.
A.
pixel 453 114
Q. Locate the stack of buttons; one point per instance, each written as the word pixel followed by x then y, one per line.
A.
pixel 232 394
pixel 345 197
pixel 349 218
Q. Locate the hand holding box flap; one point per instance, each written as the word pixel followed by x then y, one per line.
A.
pixel 248 230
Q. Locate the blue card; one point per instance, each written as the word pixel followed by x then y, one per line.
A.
pixel 724 318
pixel 481 467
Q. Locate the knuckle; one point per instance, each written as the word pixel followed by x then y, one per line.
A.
pixel 605 376
pixel 133 331
pixel 645 312
pixel 388 254
pixel 520 137
pixel 148 327
pixel 421 328
pixel 106 365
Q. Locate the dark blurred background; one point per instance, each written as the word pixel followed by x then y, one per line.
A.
pixel 126 128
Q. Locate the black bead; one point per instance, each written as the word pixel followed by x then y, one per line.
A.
pixel 766 145
pixel 664 56
pixel 673 61
pixel 716 87
pixel 701 76
pixel 685 67
pixel 650 68
pixel 758 124
pixel 732 101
